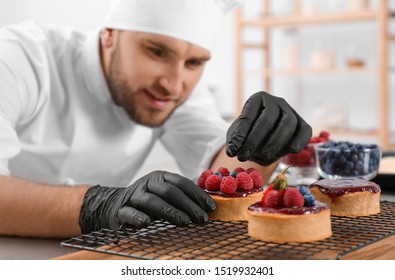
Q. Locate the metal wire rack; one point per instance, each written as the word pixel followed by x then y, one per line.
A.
pixel 229 240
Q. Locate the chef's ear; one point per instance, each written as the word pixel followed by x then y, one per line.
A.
pixel 107 37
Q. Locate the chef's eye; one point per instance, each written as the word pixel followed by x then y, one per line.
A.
pixel 158 52
pixel 195 63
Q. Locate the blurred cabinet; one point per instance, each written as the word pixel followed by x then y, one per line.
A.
pixel 320 62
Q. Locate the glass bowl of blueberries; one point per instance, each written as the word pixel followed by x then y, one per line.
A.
pixel 347 160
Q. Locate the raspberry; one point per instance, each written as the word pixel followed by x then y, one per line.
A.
pixel 324 134
pixel 304 158
pixel 274 198
pixel 251 169
pixel 293 198
pixel 244 181
pixel 228 185
pixel 239 169
pixel 224 171
pixel 314 140
pixel 256 179
pixel 202 178
pixel 213 182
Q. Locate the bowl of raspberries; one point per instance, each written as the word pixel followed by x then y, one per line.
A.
pixel 304 163
pixel 347 160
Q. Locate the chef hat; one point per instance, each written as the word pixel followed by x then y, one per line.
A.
pixel 195 21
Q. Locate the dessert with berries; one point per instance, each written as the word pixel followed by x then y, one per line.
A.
pixel 348 197
pixel 232 191
pixel 288 214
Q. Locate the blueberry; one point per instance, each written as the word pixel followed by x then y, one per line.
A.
pixel 309 200
pixel 359 166
pixel 233 174
pixel 303 190
pixel 218 174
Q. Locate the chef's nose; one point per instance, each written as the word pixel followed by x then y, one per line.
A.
pixel 173 81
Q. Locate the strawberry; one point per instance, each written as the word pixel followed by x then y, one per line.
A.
pixel 228 185
pixel 274 199
pixel 268 189
pixel 280 182
pixel 213 182
pixel 224 171
pixel 244 181
pixel 293 198
pixel 202 178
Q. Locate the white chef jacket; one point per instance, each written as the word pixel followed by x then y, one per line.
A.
pixel 58 123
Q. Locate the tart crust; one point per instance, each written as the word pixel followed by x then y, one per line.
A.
pixel 233 208
pixel 348 197
pixel 275 227
pixel 363 203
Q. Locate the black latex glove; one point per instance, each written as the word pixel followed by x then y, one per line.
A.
pixel 267 129
pixel 161 194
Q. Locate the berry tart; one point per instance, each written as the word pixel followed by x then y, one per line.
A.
pixel 232 192
pixel 288 214
pixel 348 197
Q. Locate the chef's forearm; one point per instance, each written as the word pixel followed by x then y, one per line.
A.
pixel 222 159
pixel 32 209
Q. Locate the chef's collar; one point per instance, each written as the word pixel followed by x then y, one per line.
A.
pixel 93 74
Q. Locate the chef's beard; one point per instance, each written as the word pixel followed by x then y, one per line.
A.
pixel 127 98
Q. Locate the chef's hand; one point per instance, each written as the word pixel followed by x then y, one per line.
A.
pixel 161 194
pixel 267 129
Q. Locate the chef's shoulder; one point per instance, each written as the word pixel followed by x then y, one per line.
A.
pixel 33 39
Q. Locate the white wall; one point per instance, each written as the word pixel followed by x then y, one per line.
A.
pixel 86 14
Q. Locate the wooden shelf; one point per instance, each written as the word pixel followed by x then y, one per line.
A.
pixel 322 18
pixel 304 72
pixel 380 16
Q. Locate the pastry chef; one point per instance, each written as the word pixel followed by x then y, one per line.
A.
pixel 80 112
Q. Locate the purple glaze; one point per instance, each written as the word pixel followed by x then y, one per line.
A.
pixel 318 207
pixel 236 194
pixel 335 188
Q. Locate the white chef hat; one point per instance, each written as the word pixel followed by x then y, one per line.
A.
pixel 195 21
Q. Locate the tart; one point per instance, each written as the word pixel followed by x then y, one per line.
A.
pixel 232 192
pixel 233 207
pixel 348 197
pixel 288 214
pixel 289 224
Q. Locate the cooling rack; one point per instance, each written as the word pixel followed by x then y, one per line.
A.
pixel 229 240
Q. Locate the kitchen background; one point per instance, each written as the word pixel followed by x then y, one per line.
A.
pixel 328 98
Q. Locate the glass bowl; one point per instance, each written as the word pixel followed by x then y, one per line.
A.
pixel 303 169
pixel 346 160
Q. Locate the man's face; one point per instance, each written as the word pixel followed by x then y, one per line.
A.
pixel 150 75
